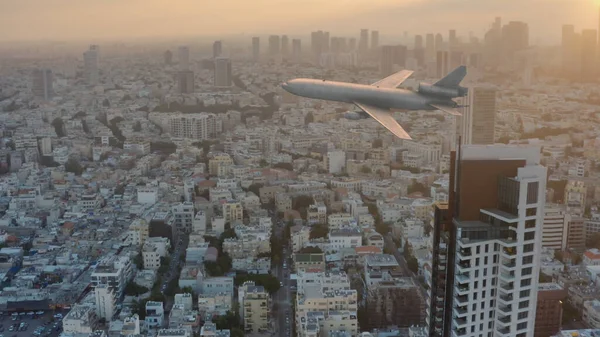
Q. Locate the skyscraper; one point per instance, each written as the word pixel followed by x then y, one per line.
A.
pixel 439 42
pixel 400 55
pixel 256 48
pixel 442 63
pixel 374 39
pixel 486 242
pixel 429 46
pixel 325 42
pixel 90 66
pixel 589 58
pixel 478 118
pixel 386 65
pixel 317 45
pixel 183 55
pixel 285 46
pixel 296 50
pixel 363 43
pixel 217 48
pixel 274 45
pixel 352 44
pixel 223 73
pixel 168 56
pixel 418 42
pixel 42 83
pixel 452 41
pixel 185 81
pixel 515 37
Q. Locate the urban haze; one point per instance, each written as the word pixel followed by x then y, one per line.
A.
pixel 307 168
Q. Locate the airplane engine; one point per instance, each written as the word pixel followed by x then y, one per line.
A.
pixel 356 115
pixel 429 89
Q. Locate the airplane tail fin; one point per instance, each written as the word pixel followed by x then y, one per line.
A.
pixel 453 79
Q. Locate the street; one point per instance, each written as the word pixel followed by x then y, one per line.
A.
pixel 173 269
pixel 283 313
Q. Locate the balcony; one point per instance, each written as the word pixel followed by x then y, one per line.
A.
pixel 462 290
pixel 464 252
pixel 460 311
pixel 510 265
pixel 506 308
pixel 508 276
pixel 462 300
pixel 506 298
pixel 504 331
pixel 463 267
pixel 462 278
pixel 459 332
pixel 509 252
pixel 504 321
pixel 460 322
pixel 508 287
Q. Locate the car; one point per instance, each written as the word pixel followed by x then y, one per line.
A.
pixel 11 329
pixel 281 284
pixel 39 313
pixel 31 313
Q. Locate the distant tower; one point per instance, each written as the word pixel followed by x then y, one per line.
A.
pixel 363 43
pixel 222 74
pixel 42 83
pixel 325 42
pixel 296 50
pixel 217 48
pixel 429 46
pixel 90 66
pixel 184 58
pixel 452 38
pixel 352 44
pixel 256 48
pixel 442 63
pixel 96 48
pixel 386 65
pixel 285 46
pixel 375 39
pixel 439 42
pixel 570 61
pixel 274 45
pixel 418 42
pixel 478 117
pixel 168 57
pixel 185 81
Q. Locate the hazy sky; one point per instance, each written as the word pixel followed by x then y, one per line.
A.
pixel 100 19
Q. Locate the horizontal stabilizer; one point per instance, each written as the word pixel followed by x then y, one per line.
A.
pixel 450 110
pixel 385 118
pixel 393 81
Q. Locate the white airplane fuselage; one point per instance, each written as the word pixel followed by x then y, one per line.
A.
pixel 387 98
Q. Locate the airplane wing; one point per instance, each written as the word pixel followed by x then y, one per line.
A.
pixel 384 117
pixel 452 111
pixel 393 81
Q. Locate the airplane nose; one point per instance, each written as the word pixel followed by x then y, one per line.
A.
pixel 285 86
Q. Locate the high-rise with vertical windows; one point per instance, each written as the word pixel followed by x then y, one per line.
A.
pixel 90 66
pixel 486 243
pixel 223 72
pixel 183 55
pixel 217 48
pixel 256 49
pixel 374 39
pixel 42 83
pixel 274 45
pixel 478 120
pixel 285 46
pixel 297 50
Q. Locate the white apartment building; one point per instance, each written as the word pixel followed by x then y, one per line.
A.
pixel 183 217
pixel 153 250
pixel 155 314
pixel 114 271
pixel 184 299
pixel 147 195
pixel 233 211
pixel 317 214
pixel 220 164
pixel 139 231
pixel 200 126
pixel 335 161
pixel 173 333
pixel 199 223
pixel 498 241
pixel 254 307
pixel 339 220
pixel 105 302
pixel 80 320
pixel 591 314
pixel 348 237
pixel 555 227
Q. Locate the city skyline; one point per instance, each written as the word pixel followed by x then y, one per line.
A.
pixel 391 18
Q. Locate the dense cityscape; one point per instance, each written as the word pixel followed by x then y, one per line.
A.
pixel 176 190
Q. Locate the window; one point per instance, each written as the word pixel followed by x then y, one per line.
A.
pixel 526 282
pixel 523 304
pixel 529 236
pixel 526 271
pixel 524 293
pixel 528 259
pixel 523 314
pixel 528 248
pixel 531 211
pixel 522 326
pixel 532 192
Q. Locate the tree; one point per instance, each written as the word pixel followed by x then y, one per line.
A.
pixel 544 278
pixel 285 166
pixel 418 187
pixel 319 231
pixel 302 201
pixel 270 282
pixel 365 169
pixel 377 143
pixel 72 165
pixel 228 321
pixel 310 250
pixel 593 241
pixel 255 188
pixel 137 127
pixel 133 289
pixel 412 263
pixel 139 260
pixel 309 118
pixel 263 163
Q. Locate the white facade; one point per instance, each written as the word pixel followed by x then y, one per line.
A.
pixel 105 302
pixel 199 126
pixel 504 262
pixel 335 161
pixel 555 227
pixel 147 195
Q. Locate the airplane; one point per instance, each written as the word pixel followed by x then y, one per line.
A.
pixel 379 99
